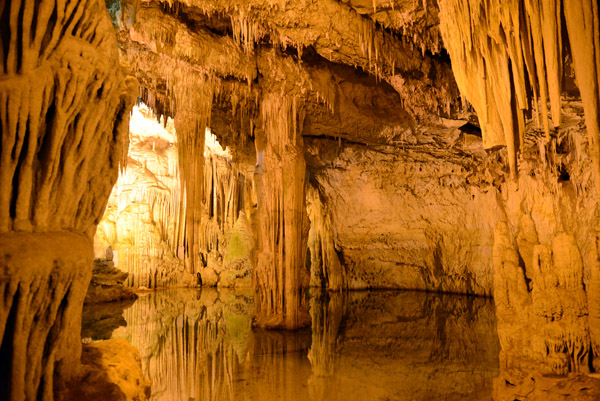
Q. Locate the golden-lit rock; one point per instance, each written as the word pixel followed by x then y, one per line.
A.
pixel 111 370
pixel 64 112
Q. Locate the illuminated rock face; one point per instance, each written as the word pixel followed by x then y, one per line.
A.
pixel 404 218
pixel 143 220
pixel 144 223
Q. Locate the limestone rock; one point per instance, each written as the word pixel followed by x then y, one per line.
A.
pixel 209 277
pixel 107 284
pixel 111 371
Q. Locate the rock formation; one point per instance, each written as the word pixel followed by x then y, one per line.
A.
pixel 64 112
pixel 106 284
pixel 143 221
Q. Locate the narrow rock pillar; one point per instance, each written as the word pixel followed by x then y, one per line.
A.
pixel 280 177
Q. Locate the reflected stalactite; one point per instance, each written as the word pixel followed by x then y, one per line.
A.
pixel 280 273
pixel 327 311
pixel 280 357
pixel 192 343
pixel 198 344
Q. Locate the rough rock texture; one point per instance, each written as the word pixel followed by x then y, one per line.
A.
pixel 64 111
pixel 112 371
pixel 405 216
pixel 107 284
pixel 44 278
pixel 546 266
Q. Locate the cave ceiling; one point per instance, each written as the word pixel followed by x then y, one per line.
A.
pixel 363 72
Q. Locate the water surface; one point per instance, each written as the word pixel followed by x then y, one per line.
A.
pixel 199 345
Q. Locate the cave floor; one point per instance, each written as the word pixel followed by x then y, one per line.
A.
pixel 363 345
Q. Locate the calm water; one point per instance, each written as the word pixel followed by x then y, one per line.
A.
pixel 198 345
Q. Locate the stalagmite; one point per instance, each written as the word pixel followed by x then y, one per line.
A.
pixel 282 233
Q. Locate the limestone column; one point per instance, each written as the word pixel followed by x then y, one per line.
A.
pixel 194 97
pixel 280 178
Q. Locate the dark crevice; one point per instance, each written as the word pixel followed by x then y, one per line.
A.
pixel 563 174
pixel 21 162
pixel 5 33
pixel 6 349
pixel 49 29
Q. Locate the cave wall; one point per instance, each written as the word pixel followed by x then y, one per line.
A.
pixel 545 252
pixel 404 217
pixel 64 111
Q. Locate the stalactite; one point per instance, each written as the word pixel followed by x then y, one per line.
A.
pixel 515 48
pixel 280 273
pixel 194 96
pixel 222 198
pixel 326 269
pixel 246 32
pixel 582 18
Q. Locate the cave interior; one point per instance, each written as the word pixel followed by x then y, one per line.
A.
pixel 299 199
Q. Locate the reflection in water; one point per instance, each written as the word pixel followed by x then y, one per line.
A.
pixel 199 345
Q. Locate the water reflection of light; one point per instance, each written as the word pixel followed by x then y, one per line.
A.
pixel 198 345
